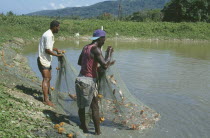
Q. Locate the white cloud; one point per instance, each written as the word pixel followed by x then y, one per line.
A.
pixel 53 5
pixel 78 6
pixel 61 6
pixel 44 8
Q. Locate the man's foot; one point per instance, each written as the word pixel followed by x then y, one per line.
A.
pixel 97 133
pixel 49 103
pixel 85 130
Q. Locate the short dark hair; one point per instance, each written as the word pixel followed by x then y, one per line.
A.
pixel 54 23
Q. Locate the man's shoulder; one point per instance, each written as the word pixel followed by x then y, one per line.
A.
pixel 92 46
pixel 95 50
pixel 47 33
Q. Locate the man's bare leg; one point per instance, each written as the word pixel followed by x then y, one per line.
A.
pixel 46 74
pixel 95 115
pixel 49 83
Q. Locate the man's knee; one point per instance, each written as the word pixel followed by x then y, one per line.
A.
pixel 47 79
pixel 46 73
pixel 95 106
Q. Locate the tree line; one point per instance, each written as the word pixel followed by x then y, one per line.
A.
pixel 187 11
pixel 173 11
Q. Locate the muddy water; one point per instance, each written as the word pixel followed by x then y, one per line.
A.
pixel 173 78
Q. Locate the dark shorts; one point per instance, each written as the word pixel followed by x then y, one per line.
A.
pixel 41 67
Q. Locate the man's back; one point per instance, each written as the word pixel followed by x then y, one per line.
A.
pixel 46 42
pixel 89 65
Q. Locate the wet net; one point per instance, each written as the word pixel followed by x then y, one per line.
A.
pixel 118 107
pixel 64 92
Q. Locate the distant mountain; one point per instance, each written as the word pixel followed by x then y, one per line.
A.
pixel 127 8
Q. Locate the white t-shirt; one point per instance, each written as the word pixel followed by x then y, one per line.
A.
pixel 46 42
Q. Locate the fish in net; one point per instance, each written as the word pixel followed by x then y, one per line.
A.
pixel 64 94
pixel 118 107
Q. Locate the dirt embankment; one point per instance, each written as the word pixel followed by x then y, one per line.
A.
pixel 19 81
pixel 14 67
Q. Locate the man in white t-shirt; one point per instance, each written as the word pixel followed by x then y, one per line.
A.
pixel 45 57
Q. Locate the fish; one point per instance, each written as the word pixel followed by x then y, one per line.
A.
pixel 156 116
pixel 121 94
pixel 114 81
pixel 111 77
pixel 73 97
pixel 113 91
pixel 141 112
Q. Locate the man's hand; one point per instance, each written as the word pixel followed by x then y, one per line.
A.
pixel 59 51
pixel 112 63
pixel 109 48
pixel 59 55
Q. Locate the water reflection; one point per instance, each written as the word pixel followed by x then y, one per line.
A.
pixel 187 49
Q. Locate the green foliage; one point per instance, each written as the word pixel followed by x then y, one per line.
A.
pixel 14 122
pixel 28 27
pixel 187 10
pixel 106 16
pixel 198 11
pixel 71 17
pixel 147 15
pixel 22 26
pixel 10 13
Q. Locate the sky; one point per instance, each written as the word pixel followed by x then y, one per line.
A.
pixel 20 7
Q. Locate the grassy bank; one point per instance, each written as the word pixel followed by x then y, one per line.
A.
pixel 22 113
pixel 18 117
pixel 32 27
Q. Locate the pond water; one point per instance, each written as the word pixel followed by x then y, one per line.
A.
pixel 173 78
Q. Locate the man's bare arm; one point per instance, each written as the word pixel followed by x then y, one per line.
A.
pixel 57 50
pixel 48 51
pixel 104 62
pixel 80 60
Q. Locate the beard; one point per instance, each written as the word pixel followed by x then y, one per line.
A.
pixel 56 31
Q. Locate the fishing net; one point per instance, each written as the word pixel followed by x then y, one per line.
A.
pixel 118 107
pixel 64 92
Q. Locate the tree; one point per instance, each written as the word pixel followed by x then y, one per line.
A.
pixel 175 11
pixel 198 11
pixel 105 16
pixel 186 10
pixel 147 15
pixel 10 13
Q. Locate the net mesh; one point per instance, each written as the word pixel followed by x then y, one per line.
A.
pixel 118 107
pixel 64 93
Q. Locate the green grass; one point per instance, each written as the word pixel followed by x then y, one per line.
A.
pixel 27 27
pixel 14 120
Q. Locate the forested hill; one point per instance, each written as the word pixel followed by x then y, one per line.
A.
pixel 128 7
